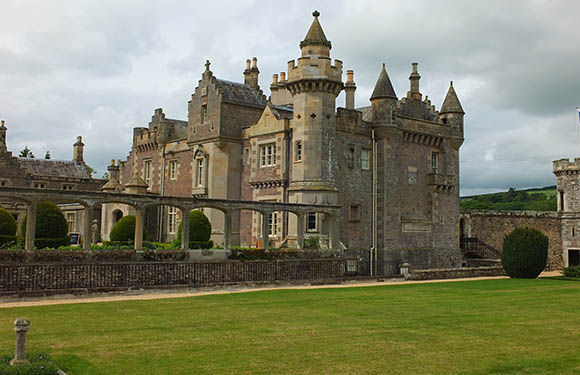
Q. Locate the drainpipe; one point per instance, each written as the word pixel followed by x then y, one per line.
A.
pixel 373 255
pixel 161 210
pixel 286 194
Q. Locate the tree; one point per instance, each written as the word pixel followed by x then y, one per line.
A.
pixel 47 155
pixel 525 253
pixel 90 170
pixel 26 153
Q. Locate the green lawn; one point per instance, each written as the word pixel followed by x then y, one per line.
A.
pixel 475 327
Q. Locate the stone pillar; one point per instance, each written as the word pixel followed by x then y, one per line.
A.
pixel 30 226
pixel 227 230
pixel 138 228
pixel 185 229
pixel 88 228
pixel 21 326
pixel 300 231
pixel 333 236
pixel 265 229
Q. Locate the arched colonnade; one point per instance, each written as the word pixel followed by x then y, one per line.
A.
pixel 140 202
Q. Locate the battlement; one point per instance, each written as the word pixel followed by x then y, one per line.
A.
pixel 565 165
pixel 315 67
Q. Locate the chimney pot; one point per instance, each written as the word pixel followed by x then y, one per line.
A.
pixel 283 76
pixel 274 79
pixel 248 62
pixel 349 76
pixel 254 62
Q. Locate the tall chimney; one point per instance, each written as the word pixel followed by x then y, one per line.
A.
pixel 3 137
pixel 350 88
pixel 78 151
pixel 251 74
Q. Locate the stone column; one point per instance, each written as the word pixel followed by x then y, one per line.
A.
pixel 138 228
pixel 21 326
pixel 333 240
pixel 88 228
pixel 265 229
pixel 227 230
pixel 300 231
pixel 185 229
pixel 30 227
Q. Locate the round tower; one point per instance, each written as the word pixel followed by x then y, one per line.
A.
pixel 383 100
pixel 314 84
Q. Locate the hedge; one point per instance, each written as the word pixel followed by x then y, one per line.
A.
pixel 199 231
pixel 6 240
pixel 525 253
pixel 7 223
pixel 50 222
pixel 573 271
pixel 124 229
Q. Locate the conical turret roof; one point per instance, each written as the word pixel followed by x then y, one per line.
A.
pixel 383 88
pixel 451 103
pixel 315 35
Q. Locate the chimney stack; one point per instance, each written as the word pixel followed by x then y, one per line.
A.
pixel 3 129
pixel 78 151
pixel 252 73
pixel 414 78
pixel 350 88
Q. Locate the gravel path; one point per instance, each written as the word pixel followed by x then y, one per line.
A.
pixel 183 293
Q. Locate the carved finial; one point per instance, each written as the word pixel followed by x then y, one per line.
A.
pixel 2 124
pixel 384 67
pixel 207 64
pixel 316 14
pixel 451 83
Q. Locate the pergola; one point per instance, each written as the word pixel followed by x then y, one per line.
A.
pixel 140 202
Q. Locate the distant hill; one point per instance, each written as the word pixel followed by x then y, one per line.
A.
pixel 535 199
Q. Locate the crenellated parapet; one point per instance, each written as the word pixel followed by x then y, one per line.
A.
pixel 315 74
pixel 566 167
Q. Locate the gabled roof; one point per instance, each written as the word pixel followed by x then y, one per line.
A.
pixel 383 88
pixel 238 93
pixel 282 112
pixel 451 103
pixel 53 168
pixel 315 35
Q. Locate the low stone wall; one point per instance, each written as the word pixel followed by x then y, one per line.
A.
pixel 492 226
pixel 455 273
pixel 103 276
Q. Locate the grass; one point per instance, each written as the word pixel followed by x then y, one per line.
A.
pixel 476 327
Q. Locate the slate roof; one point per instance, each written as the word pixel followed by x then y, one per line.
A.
pixel 238 93
pixel 179 129
pixel 53 168
pixel 383 88
pixel 451 103
pixel 281 111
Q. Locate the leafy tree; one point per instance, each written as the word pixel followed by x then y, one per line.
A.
pixel 26 153
pixel 525 253
pixel 90 170
pixel 47 155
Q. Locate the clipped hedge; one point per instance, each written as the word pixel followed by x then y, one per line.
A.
pixel 199 231
pixel 50 222
pixel 7 240
pixel 7 223
pixel 124 229
pixel 525 253
pixel 573 271
pixel 51 243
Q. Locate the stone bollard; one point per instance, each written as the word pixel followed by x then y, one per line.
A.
pixel 406 270
pixel 20 327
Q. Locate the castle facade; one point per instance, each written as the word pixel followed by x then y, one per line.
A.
pixel 392 165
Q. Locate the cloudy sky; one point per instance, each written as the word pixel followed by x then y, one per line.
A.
pixel 98 68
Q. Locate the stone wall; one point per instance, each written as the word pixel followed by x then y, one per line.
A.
pixel 456 273
pixel 492 226
pixel 109 276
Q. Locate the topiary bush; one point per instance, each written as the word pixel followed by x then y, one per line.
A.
pixel 573 271
pixel 124 229
pixel 51 226
pixel 199 231
pixel 525 253
pixel 7 223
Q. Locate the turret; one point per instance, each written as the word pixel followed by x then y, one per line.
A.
pixel 315 42
pixel 78 148
pixel 383 100
pixel 3 137
pixel 414 83
pixel 452 112
pixel 252 73
pixel 349 88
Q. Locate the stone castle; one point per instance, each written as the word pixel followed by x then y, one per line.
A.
pixel 393 165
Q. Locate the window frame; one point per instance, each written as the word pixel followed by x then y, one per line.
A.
pixel 172 220
pixel 365 163
pixel 268 155
pixel 173 165
pixel 71 224
pixel 147 171
pixel 298 151
pixel 435 162
pixel 308 221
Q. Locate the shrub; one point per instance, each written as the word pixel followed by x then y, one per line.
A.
pixel 199 231
pixel 525 252
pixel 7 241
pixel 50 222
pixel 124 229
pixel 572 271
pixel 52 243
pixel 312 242
pixel 7 223
pixel 40 364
